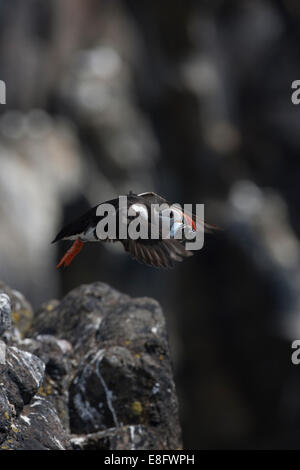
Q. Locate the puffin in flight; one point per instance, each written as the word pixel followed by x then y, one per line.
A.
pixel 157 252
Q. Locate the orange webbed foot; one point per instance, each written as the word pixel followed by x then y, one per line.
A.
pixel 70 254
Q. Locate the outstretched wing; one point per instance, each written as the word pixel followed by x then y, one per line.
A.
pixel 157 253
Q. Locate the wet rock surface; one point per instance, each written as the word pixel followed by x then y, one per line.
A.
pixel 92 372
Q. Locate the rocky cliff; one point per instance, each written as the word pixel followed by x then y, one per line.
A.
pixel 91 371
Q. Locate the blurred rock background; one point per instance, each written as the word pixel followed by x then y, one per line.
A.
pixel 191 99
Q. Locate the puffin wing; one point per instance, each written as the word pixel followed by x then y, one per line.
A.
pixel 157 253
pixel 153 198
pixel 162 252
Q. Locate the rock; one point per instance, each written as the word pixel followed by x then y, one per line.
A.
pixel 27 420
pixel 119 373
pixel 5 415
pixel 21 312
pixel 37 428
pixel 5 312
pixel 21 376
pixel 55 354
pixel 134 437
pixel 2 352
pixel 78 316
pixel 93 372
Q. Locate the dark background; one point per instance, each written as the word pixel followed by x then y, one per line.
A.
pixel 191 99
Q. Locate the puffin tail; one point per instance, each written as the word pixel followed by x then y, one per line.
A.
pixel 70 254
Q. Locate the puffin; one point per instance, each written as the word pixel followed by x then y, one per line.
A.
pixel 160 252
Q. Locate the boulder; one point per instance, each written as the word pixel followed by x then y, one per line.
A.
pixel 97 370
pixel 27 420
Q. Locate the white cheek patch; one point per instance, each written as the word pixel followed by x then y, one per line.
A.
pixel 140 209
